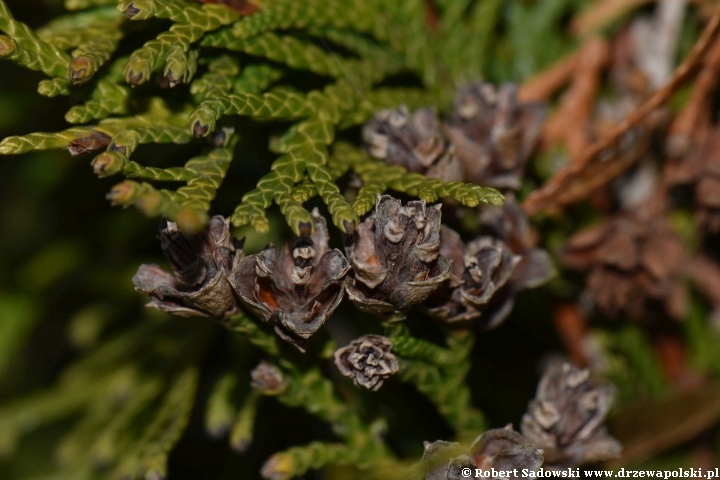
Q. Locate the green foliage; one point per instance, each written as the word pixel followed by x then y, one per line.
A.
pixel 632 363
pixel 440 374
pixel 227 89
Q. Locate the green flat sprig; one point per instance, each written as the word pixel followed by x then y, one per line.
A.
pixel 42 141
pixel 10 50
pixel 412 348
pixel 48 58
pixel 180 11
pixel 319 134
pixel 127 140
pixel 151 451
pixel 296 461
pixel 107 446
pixel 277 105
pixel 203 174
pixel 89 56
pixel 255 334
pixel 384 98
pixel 61 401
pixel 453 404
pixel 151 202
pixel 377 175
pixel 444 385
pixel 54 86
pixel 85 4
pixel 69 31
pixel 256 79
pixel 220 78
pixel 180 65
pixel 469 42
pixel 284 15
pixel 72 451
pixel 305 150
pixel 305 55
pixel 220 410
pixel 315 393
pixel 209 171
pixel 192 22
pixel 412 39
pixel 241 434
pixel 108 98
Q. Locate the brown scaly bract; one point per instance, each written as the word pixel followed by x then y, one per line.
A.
pixel 493 134
pixel 202 263
pixel 491 270
pixel 502 449
pixel 509 224
pixel 368 361
pixel 566 418
pixel 395 255
pixel 632 259
pixel 479 269
pixel 89 143
pixel 414 141
pixel 296 289
pixel 701 168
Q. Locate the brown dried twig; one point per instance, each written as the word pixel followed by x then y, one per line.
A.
pixel 571 122
pixel 572 183
pixel 572 326
pixel 542 86
pixel 602 13
pixel 695 119
pixel 706 275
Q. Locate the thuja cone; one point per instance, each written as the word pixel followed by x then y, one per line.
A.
pixel 295 289
pixel 395 256
pixel 414 141
pixel 566 418
pixel 203 265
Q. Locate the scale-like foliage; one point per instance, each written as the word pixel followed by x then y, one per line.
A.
pixel 229 90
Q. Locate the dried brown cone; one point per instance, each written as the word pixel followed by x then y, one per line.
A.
pixel 296 289
pixel 489 272
pixel 267 378
pixel 494 134
pixel 633 260
pixel 414 141
pixel 202 264
pixel 502 449
pixel 395 255
pixel 505 449
pixel 368 361
pixel 566 418
pixel 701 170
pixel 479 270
